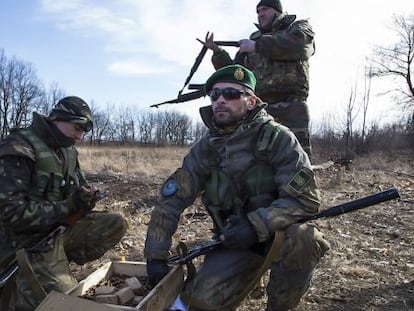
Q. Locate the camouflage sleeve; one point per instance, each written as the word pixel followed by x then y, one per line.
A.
pixel 221 58
pixel 81 176
pixel 295 43
pixel 178 192
pixel 298 195
pixel 17 212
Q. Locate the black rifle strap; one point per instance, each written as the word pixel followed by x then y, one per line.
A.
pixel 274 252
pixel 182 250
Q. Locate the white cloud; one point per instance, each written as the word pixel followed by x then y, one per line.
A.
pixel 159 36
pixel 135 68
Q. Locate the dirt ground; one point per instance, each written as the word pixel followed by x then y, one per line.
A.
pixel 370 265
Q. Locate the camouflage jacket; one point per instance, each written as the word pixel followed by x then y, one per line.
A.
pixel 281 60
pixel 26 213
pixel 287 162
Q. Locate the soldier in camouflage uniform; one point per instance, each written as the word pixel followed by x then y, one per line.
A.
pixel 42 187
pixel 255 180
pixel 278 54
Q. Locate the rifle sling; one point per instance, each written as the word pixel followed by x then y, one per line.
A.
pixel 27 270
pixel 270 256
pixel 273 252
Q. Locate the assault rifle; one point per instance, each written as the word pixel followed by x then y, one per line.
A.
pixel 333 211
pixel 181 98
pixel 45 244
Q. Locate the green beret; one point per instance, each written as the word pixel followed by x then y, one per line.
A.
pixel 234 74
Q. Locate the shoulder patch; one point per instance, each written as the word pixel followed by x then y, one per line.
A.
pixel 300 180
pixel 169 187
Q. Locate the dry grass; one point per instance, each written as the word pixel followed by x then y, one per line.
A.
pixel 148 161
pixel 371 262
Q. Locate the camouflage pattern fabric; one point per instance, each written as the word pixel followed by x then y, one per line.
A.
pixel 295 116
pixel 86 241
pixel 281 67
pixel 225 273
pixel 291 273
pixel 27 215
pixel 93 235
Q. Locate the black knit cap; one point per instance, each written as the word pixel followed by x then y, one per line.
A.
pixel 271 4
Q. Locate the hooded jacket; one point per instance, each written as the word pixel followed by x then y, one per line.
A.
pixel 235 154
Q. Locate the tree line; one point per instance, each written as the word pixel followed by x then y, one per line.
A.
pixel 22 93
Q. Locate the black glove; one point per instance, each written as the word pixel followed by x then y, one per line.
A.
pixel 239 233
pixel 82 199
pixel 156 270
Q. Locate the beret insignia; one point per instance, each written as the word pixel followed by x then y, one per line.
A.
pixel 239 74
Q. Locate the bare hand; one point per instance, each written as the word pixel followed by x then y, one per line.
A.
pixel 209 42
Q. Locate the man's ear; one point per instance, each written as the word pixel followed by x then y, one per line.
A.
pixel 252 101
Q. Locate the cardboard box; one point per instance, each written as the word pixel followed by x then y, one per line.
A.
pixel 159 298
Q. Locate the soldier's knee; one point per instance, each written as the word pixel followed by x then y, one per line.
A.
pixel 304 247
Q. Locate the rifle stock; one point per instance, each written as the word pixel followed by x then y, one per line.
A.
pixel 336 210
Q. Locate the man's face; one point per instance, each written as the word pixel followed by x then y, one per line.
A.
pixel 70 130
pixel 265 16
pixel 232 103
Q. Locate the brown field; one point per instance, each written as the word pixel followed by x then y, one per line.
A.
pixel 371 262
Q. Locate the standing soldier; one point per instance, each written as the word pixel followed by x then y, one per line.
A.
pixel 278 54
pixel 256 182
pixel 42 188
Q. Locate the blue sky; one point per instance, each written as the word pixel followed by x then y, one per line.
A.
pixel 137 53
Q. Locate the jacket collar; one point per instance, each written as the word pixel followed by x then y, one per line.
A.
pixel 49 133
pixel 279 23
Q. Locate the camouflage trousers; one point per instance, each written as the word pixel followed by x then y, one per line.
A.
pixel 88 239
pixel 225 273
pixel 294 115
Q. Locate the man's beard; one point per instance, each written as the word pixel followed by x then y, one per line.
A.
pixel 227 121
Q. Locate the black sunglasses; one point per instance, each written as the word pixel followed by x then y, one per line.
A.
pixel 228 93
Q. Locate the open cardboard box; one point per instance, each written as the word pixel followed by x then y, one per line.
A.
pixel 158 299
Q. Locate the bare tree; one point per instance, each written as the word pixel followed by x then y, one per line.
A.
pixel 349 122
pixel 397 60
pixel 365 102
pixel 101 123
pixel 147 123
pixel 20 93
pixel 53 94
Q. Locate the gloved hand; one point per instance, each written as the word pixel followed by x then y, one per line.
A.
pixel 83 199
pixel 239 233
pixel 156 270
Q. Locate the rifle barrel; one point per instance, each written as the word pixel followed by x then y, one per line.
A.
pixel 228 43
pixel 356 204
pixel 340 209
